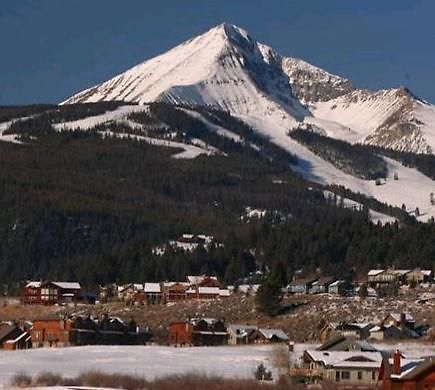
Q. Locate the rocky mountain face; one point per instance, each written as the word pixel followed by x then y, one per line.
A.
pixel 227 69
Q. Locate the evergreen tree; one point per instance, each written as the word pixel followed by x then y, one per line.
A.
pixel 268 298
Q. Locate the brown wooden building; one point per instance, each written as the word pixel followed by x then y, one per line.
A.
pixel 198 332
pixel 50 293
pixel 51 333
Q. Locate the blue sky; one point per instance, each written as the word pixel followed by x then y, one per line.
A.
pixel 53 48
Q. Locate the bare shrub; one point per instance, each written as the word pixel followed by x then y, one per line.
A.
pixel 119 381
pixel 280 356
pixel 48 379
pixel 21 379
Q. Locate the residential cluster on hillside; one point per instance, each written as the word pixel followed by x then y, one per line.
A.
pixel 195 287
pixel 392 327
pixel 376 280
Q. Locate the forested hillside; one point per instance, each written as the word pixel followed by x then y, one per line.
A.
pixel 78 206
pixel 355 160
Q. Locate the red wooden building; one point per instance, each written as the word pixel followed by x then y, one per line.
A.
pixel 51 333
pixel 407 374
pixel 198 332
pixel 50 293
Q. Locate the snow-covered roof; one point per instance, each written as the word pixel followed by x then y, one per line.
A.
pixel 374 272
pixel 224 292
pixel 402 272
pixel 426 272
pixel 397 317
pixel 346 358
pixel 209 290
pixel 241 330
pixel 152 288
pixel 269 333
pixel 33 284
pixel 68 285
pixel 336 283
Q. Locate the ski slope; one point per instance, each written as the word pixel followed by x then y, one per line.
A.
pixel 412 189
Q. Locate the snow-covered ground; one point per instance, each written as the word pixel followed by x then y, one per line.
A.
pixel 149 361
pixel 158 361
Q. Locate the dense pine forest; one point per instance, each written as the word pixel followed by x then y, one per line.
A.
pixel 356 160
pixel 77 206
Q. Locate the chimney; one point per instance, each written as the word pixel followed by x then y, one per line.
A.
pixel 396 362
pixel 402 320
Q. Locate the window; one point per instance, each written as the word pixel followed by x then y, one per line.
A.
pixel 360 375
pixel 373 375
pixel 337 376
pixel 345 375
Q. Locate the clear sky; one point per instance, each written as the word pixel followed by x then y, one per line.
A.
pixel 53 48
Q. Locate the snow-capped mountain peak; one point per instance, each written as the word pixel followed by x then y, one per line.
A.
pixel 228 69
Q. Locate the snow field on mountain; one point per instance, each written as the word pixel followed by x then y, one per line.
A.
pixel 412 189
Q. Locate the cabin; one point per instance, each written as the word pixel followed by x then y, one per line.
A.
pixel 337 287
pixel 398 373
pixel 419 276
pixel 51 293
pixel 107 331
pixel 240 334
pixel 321 286
pixel 13 337
pixel 345 368
pixel 301 286
pixel 153 293
pixel 268 336
pixel 51 333
pixel 356 330
pixel 174 291
pixel 198 332
pixel 400 320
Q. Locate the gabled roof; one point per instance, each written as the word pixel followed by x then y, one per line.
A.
pixel 374 272
pixel 241 330
pixel 302 282
pixel 343 359
pixel 417 370
pixel 271 333
pixel 208 290
pixel 68 285
pixel 152 288
pixel 396 317
pixel 33 284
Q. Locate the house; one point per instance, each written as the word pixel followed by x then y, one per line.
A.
pixel 346 368
pixel 419 276
pixel 407 374
pixel 321 286
pixel 50 293
pixel 153 293
pixel 51 333
pixel 346 344
pixel 174 291
pixel 382 277
pixel 356 330
pixel 267 336
pixel 106 331
pixel 198 332
pixel 128 292
pixel 301 286
pixel 13 337
pixel 338 287
pixel 400 320
pixel 376 333
pixel 202 281
pixel 248 289
pixel 240 334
